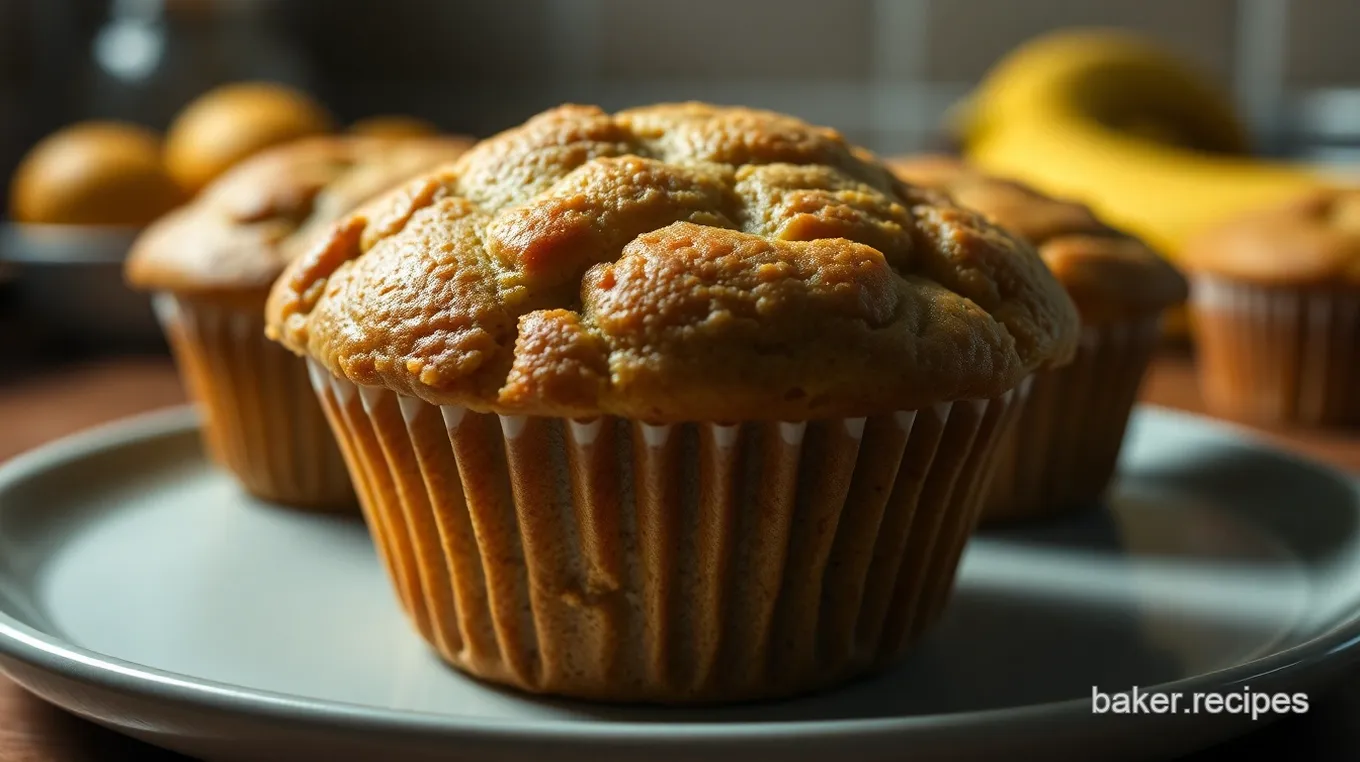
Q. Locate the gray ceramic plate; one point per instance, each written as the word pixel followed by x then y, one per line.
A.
pixel 140 589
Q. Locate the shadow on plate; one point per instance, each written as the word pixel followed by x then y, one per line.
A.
pixel 993 650
pixel 1310 509
pixel 1306 510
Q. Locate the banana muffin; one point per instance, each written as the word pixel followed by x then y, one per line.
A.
pixel 393 126
pixel 1062 453
pixel 1276 299
pixel 94 173
pixel 680 404
pixel 231 123
pixel 210 265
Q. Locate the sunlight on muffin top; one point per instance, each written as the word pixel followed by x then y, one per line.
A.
pixel 674 262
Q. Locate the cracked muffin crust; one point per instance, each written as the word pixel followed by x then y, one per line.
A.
pixel 1108 273
pixel 670 263
pixel 238 234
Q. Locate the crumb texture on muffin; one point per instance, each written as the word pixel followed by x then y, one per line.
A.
pixel 673 262
pixel 238 234
pixel 1312 240
pixel 1107 272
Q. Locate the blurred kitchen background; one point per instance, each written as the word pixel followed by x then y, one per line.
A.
pixel 886 72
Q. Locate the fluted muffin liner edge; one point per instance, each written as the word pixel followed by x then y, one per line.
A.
pixel 617 560
pixel 261 420
pixel 1278 354
pixel 1062 453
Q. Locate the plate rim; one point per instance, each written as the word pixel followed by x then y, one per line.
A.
pixel 1301 665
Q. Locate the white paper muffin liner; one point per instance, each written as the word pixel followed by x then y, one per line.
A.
pixel 616 560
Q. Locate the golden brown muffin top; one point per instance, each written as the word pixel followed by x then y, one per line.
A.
pixel 1312 240
pixel 394 126
pixel 230 123
pixel 1108 273
pixel 670 263
pixel 94 173
pixel 240 231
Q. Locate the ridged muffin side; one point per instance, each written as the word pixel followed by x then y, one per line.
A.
pixel 1063 452
pixel 209 265
pixel 1276 299
pixel 680 404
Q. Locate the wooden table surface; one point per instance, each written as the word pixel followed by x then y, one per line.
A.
pixel 38 407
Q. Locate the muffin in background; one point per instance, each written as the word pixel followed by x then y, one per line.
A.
pixel 1276 300
pixel 210 265
pixel 230 123
pixel 680 404
pixel 94 173
pixel 1063 452
pixel 393 126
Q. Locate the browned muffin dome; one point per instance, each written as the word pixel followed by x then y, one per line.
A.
pixel 240 231
pixel 1313 240
pixel 228 124
pixel 94 173
pixel 674 262
pixel 393 126
pixel 1108 273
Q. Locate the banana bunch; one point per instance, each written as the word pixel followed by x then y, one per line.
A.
pixel 1113 121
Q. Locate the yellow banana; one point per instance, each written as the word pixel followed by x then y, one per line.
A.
pixel 1107 76
pixel 1113 121
pixel 1163 195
